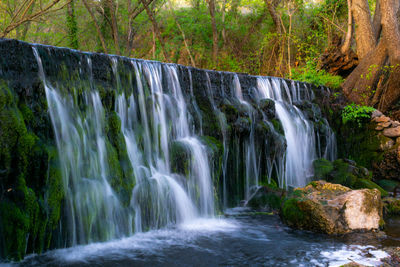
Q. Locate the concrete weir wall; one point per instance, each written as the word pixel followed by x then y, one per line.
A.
pixel 244 136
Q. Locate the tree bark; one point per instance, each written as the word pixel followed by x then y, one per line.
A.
pixel 114 27
pixel 376 80
pixel 365 39
pixel 376 23
pixel 391 35
pixel 349 34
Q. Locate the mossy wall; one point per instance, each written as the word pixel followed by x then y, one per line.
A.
pixel 31 186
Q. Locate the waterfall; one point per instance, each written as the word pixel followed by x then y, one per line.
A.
pixel 152 116
pixel 151 145
pixel 299 131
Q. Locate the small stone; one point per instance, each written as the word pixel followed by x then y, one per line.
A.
pixel 392 132
pixel 385 124
pixel 382 119
pixel 376 114
pixel 379 128
pixel 395 123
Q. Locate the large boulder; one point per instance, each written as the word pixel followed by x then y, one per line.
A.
pixel 333 208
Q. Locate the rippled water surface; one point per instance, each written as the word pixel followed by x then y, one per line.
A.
pixel 256 240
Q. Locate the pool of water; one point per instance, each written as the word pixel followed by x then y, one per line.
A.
pixel 236 240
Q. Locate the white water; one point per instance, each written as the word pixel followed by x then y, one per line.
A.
pixel 155 120
pixel 300 134
pixel 159 196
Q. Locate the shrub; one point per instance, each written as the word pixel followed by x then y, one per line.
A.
pixel 310 74
pixel 356 113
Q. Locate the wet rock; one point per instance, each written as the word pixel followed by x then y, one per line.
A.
pixel 376 114
pixel 381 119
pixel 333 208
pixel 384 124
pixel 392 132
pixel 395 123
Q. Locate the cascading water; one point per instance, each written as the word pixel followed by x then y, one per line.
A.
pixel 152 118
pixel 183 149
pixel 299 131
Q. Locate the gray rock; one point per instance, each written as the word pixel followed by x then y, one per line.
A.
pixel 376 114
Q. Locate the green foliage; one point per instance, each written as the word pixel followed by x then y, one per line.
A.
pixel 310 74
pixel 356 113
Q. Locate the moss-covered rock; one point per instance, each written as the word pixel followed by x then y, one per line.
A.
pixel 332 208
pixel 345 172
pixel 365 183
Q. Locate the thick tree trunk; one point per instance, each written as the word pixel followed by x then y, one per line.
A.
pixel 364 33
pixel 391 35
pixel 376 80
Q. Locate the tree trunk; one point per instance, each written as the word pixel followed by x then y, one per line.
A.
pixel 365 39
pixel 114 27
pixel 376 23
pixel 376 80
pixel 72 26
pixel 211 7
pixel 349 34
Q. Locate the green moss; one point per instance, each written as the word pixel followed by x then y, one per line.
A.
pixel 364 183
pixel 360 144
pixel 393 207
pixel 55 193
pixel 291 212
pixel 180 156
pixel 15 224
pixel 322 168
pixel 342 174
pixel 278 126
pixel 120 173
pixel 388 185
